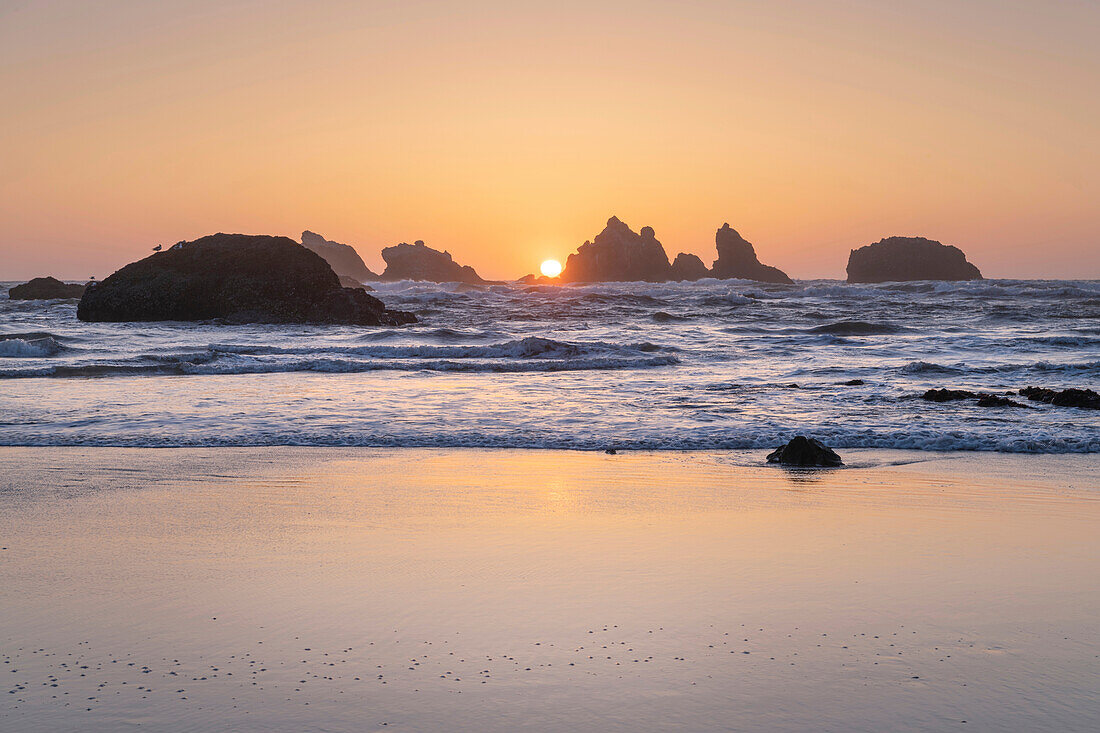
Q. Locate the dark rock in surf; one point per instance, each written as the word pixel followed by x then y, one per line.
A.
pixel 236 277
pixel 45 288
pixel 803 451
pixel 983 399
pixel 1072 397
pixel 688 267
pixel 948 395
pixel 418 261
pixel 992 400
pixel 342 258
pixel 853 383
pixel 617 254
pixel 737 259
pixel 898 259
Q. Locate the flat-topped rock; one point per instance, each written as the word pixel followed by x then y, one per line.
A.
pixel 618 254
pixel 418 261
pixel 45 288
pixel 342 258
pixel 737 259
pixel 234 277
pixel 900 259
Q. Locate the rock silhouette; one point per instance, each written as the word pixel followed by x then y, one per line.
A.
pixel 688 267
pixel 351 282
pixel 342 258
pixel 236 277
pixel 417 261
pixel 803 451
pixel 618 254
pixel 737 259
pixel 45 288
pixel 533 279
pixel 898 259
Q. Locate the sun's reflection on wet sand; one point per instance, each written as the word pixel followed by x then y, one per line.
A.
pixel 488 590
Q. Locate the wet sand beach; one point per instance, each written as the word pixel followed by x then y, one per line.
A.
pixel 480 590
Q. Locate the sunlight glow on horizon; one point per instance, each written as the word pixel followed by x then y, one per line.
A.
pixel 812 127
pixel 550 268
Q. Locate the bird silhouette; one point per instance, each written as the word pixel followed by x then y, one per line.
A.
pixel 157 248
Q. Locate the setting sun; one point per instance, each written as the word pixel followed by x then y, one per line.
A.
pixel 550 268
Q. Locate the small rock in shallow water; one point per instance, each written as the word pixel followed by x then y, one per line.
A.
pixel 803 451
pixel 45 288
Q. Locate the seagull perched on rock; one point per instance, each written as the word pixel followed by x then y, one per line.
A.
pixel 157 248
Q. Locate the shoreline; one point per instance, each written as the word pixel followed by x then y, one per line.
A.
pixel 485 590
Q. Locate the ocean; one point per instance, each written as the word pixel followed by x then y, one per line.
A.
pixel 708 365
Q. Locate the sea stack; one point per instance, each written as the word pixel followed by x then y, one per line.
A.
pixel 737 259
pixel 342 258
pixel 898 259
pixel 418 261
pixel 45 288
pixel 238 278
pixel 688 267
pixel 618 254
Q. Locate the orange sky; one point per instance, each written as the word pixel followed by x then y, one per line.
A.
pixel 507 132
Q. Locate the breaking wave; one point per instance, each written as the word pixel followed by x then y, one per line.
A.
pixel 29 345
pixel 532 354
pixel 837 437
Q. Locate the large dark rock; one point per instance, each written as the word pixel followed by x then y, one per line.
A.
pixel 909 258
pixel 1072 397
pixel 235 277
pixel 617 254
pixel 737 259
pixel 688 267
pixel 417 261
pixel 342 258
pixel 45 288
pixel 803 451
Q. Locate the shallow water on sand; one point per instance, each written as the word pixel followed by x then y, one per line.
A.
pixel 353 589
